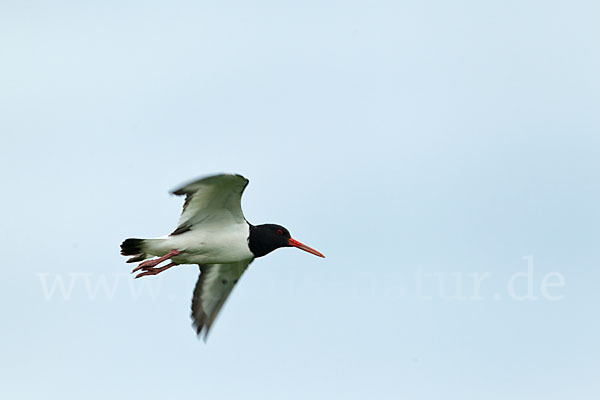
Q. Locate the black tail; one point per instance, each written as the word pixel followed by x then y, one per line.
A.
pixel 132 247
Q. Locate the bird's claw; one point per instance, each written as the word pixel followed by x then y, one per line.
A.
pixel 148 272
pixel 150 263
pixel 144 267
pixel 153 263
pixel 152 271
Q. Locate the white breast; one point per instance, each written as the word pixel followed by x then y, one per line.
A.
pixel 210 245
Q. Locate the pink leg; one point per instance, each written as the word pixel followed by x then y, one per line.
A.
pixel 156 261
pixel 154 271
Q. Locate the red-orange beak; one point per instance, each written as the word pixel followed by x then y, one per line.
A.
pixel 295 243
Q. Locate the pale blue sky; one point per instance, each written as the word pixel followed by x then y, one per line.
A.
pixel 411 142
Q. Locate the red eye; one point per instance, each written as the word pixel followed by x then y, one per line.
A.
pixel 279 232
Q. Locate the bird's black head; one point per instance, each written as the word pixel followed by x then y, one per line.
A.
pixel 265 238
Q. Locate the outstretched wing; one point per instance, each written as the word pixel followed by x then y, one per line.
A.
pixel 212 289
pixel 212 200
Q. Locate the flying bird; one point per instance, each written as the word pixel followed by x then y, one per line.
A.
pixel 213 233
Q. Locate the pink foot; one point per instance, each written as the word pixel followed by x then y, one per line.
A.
pixel 156 261
pixel 154 271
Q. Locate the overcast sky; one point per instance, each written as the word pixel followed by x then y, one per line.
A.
pixel 444 156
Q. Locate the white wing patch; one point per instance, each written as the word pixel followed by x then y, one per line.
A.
pixel 212 289
pixel 213 200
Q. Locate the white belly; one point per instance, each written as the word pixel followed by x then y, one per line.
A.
pixel 208 245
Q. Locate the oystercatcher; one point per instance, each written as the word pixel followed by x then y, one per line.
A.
pixel 213 233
